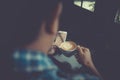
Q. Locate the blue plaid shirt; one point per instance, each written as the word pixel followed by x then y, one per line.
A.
pixel 28 62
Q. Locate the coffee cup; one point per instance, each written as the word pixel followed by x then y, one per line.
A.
pixel 68 48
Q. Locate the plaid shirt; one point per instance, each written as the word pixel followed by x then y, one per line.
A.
pixel 28 62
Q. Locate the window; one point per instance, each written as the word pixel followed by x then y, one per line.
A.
pixel 117 17
pixel 86 4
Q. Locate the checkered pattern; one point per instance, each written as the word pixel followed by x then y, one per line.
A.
pixel 28 61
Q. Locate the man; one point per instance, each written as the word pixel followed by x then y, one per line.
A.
pixel 31 37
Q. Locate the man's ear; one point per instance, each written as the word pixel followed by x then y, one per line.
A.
pixel 53 22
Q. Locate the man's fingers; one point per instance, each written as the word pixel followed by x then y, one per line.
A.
pixel 87 50
pixel 80 49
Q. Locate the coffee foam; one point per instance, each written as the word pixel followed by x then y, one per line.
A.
pixel 68 45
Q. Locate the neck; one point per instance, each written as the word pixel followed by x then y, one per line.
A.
pixel 41 44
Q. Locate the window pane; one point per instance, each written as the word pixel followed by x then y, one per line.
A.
pixel 87 4
pixel 77 2
pixel 117 17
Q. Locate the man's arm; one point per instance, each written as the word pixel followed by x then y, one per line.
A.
pixel 84 57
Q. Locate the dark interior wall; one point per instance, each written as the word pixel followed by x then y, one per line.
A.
pixel 97 31
pixel 76 21
pixel 109 52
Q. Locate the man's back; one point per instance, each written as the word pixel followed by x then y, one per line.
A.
pixel 36 65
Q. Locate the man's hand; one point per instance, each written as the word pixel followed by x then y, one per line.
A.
pixel 84 56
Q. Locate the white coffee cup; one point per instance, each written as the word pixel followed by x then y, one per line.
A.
pixel 68 48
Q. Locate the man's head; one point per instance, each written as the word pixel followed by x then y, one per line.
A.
pixel 33 20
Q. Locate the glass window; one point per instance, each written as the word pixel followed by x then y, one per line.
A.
pixel 86 4
pixel 117 17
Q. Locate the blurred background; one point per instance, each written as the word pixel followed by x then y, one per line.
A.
pixel 95 24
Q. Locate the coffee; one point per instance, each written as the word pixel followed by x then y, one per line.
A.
pixel 68 46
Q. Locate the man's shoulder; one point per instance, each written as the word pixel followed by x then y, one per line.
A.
pixel 28 61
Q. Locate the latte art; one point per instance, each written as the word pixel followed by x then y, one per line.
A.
pixel 68 46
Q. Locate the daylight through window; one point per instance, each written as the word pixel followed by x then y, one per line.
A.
pixel 86 4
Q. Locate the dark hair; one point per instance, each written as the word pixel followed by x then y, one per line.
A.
pixel 26 22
